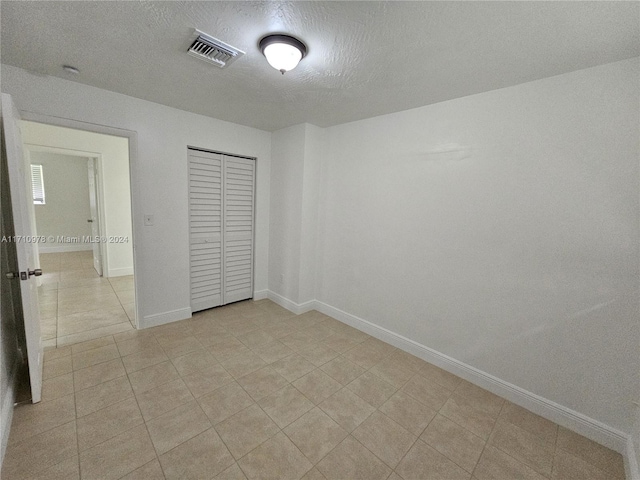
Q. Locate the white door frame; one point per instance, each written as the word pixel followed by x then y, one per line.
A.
pixel 133 177
pixel 97 225
pixel 32 147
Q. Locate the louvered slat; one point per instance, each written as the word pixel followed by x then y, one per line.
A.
pixel 221 202
pixel 205 229
pixel 239 183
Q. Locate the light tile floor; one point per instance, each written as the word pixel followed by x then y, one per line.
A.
pixel 251 391
pixel 76 304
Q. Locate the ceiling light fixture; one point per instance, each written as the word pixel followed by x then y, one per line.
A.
pixel 283 52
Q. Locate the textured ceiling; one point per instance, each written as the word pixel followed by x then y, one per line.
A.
pixel 365 58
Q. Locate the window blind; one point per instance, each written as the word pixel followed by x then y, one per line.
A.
pixel 37 184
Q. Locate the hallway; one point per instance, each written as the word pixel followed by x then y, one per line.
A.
pixel 78 305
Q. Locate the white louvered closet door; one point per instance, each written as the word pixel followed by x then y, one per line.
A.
pixel 205 229
pixel 238 203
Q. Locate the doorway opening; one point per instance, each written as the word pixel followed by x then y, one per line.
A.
pixel 83 219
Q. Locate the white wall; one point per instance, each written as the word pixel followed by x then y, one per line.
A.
pixel 635 436
pixel 66 208
pixel 315 147
pixel 500 229
pixel 296 154
pixel 159 180
pixel 287 170
pixel 113 154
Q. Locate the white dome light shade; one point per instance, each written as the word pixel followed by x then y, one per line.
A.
pixel 282 51
pixel 282 57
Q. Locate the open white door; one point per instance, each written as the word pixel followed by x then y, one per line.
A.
pixel 94 220
pixel 21 195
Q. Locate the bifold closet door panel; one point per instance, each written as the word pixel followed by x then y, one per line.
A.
pixel 238 202
pixel 205 229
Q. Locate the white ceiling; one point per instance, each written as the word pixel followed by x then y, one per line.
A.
pixel 365 58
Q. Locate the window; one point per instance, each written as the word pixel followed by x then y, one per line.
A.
pixel 37 184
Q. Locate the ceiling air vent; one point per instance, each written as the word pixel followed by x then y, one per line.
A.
pixel 213 50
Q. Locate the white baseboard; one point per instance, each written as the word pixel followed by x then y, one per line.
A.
pixel 568 418
pixel 118 272
pixel 164 317
pixel 297 308
pixel 631 467
pixel 70 247
pixel 260 294
pixel 6 415
pixel 564 416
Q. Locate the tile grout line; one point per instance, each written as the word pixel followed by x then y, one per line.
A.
pixel 75 407
pixel 144 422
pixel 556 449
pixel 164 383
pixel 213 426
pixel 486 442
pixel 342 387
pixel 530 433
pixel 417 372
pixel 59 272
pixel 488 438
pixel 377 409
pixel 280 430
pixel 418 437
pixel 255 402
pixel 138 405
